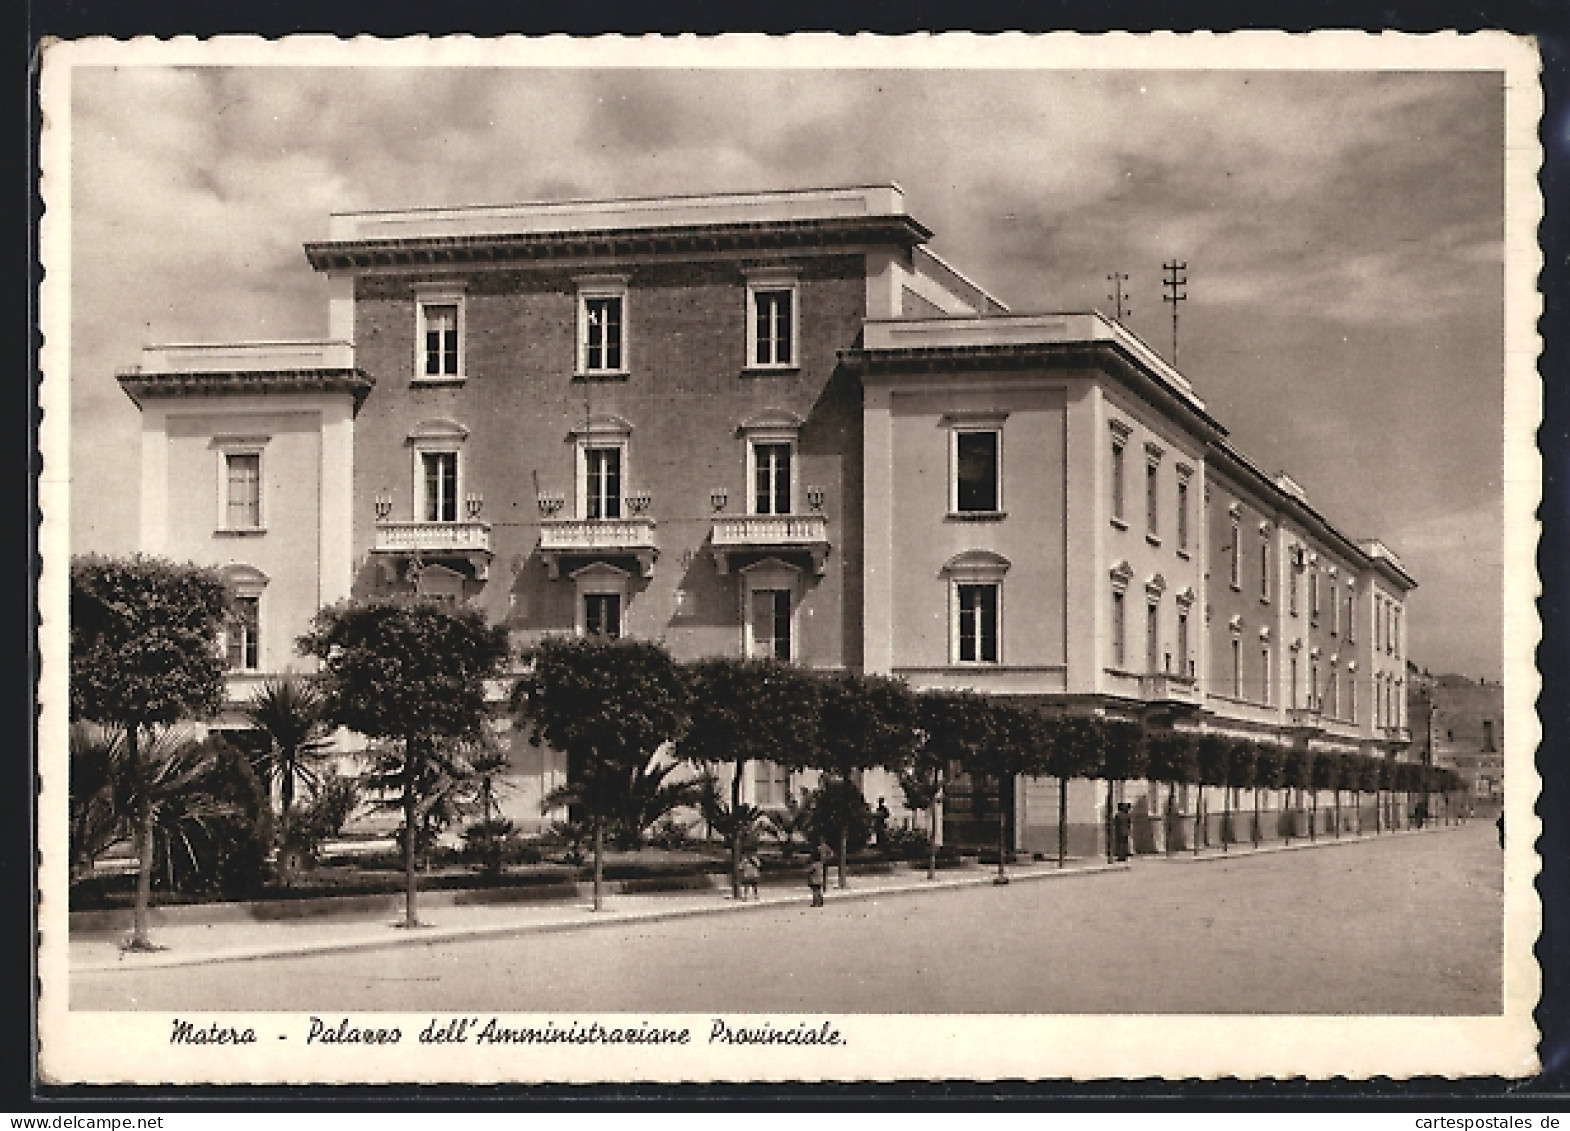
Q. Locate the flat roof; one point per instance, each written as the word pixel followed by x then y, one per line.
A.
pixel 625 214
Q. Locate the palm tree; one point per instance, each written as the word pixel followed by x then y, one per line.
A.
pixel 292 714
pixel 158 792
pixel 95 827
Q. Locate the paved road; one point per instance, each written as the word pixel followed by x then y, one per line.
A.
pixel 1407 924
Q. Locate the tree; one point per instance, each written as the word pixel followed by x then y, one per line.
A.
pixel 1297 773
pixel 292 715
pixel 143 655
pixel 95 826
pixel 1014 746
pixel 411 673
pixel 954 727
pixel 1326 774
pixel 1122 758
pixel 1073 751
pixel 1172 759
pixel 1213 756
pixel 745 711
pixel 1240 775
pixel 1368 775
pixel 609 705
pixel 864 721
pixel 1269 763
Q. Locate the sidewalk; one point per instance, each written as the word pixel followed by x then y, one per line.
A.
pixel 201 944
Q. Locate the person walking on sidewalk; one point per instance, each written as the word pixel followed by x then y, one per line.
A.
pixel 817 872
pixel 751 871
pixel 1122 826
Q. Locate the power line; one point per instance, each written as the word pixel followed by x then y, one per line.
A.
pixel 1117 279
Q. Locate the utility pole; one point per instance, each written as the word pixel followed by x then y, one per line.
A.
pixel 1117 279
pixel 1176 277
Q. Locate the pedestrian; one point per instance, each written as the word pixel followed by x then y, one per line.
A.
pixel 880 825
pixel 1500 824
pixel 751 870
pixel 1122 826
pixel 816 874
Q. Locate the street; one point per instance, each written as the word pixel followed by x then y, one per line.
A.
pixel 1407 924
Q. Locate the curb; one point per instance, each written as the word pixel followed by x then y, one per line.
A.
pixel 163 960
pixel 1246 852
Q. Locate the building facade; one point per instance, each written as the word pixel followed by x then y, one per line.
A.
pixel 1458 722
pixel 767 424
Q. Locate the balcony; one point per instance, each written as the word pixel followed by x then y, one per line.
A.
pixel 1305 718
pixel 1168 688
pixel 565 538
pixel 433 541
pixel 1396 734
pixel 759 535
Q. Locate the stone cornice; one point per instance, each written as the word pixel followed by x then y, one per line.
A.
pixel 570 246
pixel 139 385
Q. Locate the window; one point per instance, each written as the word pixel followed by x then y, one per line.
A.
pixel 1182 512
pixel 1264 571
pixel 1313 595
pixel 1264 676
pixel 1292 586
pixel 771 322
pixel 771 471
pixel 1351 696
pixel 1152 499
pixel 242 633
pixel 1488 736
pixel 440 486
pixel 1395 626
pixel 770 784
pixel 1182 642
pixel 1313 685
pixel 602 482
pixel 1335 607
pixel 1152 639
pixel 1119 639
pixel 602 615
pixel 438 332
pixel 1236 572
pixel 602 325
pixel 1333 705
pixel 976 478
pixel 978 623
pixel 1292 700
pixel 1351 618
pixel 1237 668
pixel 1117 476
pixel 771 624
pixel 242 491
pixel 441 340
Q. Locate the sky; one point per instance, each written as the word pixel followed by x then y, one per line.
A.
pixel 1343 233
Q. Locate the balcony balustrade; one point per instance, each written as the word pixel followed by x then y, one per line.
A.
pixel 562 538
pixel 771 533
pixel 1166 687
pixel 1306 717
pixel 469 541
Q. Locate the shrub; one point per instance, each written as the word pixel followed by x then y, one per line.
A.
pixel 493 845
pixel 226 853
pixel 907 844
pixel 835 807
pixel 670 833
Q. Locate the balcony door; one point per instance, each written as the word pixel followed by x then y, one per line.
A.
pixel 440 482
pixel 602 482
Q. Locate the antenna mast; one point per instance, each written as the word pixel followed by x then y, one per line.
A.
pixel 1176 277
pixel 1117 279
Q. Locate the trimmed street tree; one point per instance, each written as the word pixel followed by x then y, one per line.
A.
pixel 1268 766
pixel 1213 755
pixel 1296 774
pixel 1122 758
pixel 1073 751
pixel 746 711
pixel 1240 775
pixel 144 654
pixel 1171 758
pixel 609 705
pixel 954 728
pixel 864 721
pixel 1326 774
pixel 1369 774
pixel 1015 746
pixel 292 714
pixel 411 673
